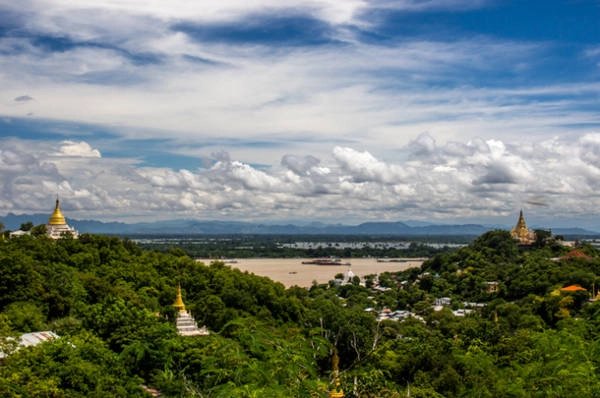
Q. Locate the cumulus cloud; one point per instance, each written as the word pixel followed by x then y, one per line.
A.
pixel 128 66
pixel 236 173
pixel 497 173
pixel 424 144
pixel 590 148
pixel 483 178
pixel 398 127
pixel 362 166
pixel 301 165
pixel 78 149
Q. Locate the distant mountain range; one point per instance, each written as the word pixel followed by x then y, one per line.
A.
pixel 194 227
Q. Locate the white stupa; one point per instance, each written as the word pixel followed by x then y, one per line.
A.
pixel 186 324
pixel 349 275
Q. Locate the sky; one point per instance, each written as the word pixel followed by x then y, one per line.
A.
pixel 442 111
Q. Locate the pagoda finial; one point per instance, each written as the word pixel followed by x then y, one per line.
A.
pixel 178 300
pixel 336 391
pixel 57 217
pixel 521 224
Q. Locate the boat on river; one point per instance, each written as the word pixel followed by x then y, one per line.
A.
pixel 325 261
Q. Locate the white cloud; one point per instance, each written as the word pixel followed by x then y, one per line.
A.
pixel 252 178
pixel 57 13
pixel 307 98
pixel 493 179
pixel 420 5
pixel 424 144
pixel 79 149
pixel 407 128
pixel 364 167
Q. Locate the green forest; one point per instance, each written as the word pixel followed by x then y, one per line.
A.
pixel 110 301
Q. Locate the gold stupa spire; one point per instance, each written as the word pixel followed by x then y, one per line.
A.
pixel 336 391
pixel 178 300
pixel 521 225
pixel 57 217
pixel 521 232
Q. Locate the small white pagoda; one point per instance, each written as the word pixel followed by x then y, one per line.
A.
pixel 186 324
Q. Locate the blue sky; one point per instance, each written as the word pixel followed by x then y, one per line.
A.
pixel 442 110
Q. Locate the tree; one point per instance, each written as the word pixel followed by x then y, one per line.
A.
pixel 26 317
pixel 541 237
pixel 8 340
pixel 39 230
pixel 496 246
pixel 26 226
pixel 80 366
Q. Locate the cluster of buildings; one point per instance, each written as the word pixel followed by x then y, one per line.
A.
pixel 387 314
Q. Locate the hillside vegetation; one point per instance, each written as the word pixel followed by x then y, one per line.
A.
pixel 111 303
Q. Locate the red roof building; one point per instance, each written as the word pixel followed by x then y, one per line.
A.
pixel 575 253
pixel 573 288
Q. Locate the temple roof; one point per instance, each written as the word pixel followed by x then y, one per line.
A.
pixel 573 288
pixel 57 217
pixel 576 253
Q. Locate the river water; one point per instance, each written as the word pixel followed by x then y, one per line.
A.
pixel 291 271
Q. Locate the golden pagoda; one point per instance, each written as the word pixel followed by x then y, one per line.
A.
pixel 57 217
pixel 178 300
pixel 186 324
pixel 57 225
pixel 336 391
pixel 521 233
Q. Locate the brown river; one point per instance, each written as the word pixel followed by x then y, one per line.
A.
pixel 291 271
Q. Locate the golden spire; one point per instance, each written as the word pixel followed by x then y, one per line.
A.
pixel 337 391
pixel 521 223
pixel 178 301
pixel 520 231
pixel 57 217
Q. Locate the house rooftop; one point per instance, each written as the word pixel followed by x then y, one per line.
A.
pixel 573 288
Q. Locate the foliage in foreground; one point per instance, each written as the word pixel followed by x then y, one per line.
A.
pixel 112 304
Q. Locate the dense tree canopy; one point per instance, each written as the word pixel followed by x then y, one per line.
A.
pixel 111 303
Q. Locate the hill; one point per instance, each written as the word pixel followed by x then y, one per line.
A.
pixel 491 319
pixel 196 227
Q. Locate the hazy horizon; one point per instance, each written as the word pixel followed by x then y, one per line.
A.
pixel 500 223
